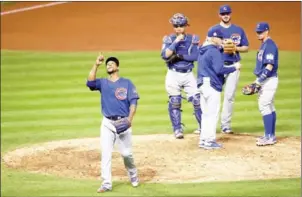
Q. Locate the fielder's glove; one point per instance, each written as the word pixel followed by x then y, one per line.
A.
pixel 121 125
pixel 174 58
pixel 229 46
pixel 251 89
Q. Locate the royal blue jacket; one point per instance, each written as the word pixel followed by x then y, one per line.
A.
pixel 210 64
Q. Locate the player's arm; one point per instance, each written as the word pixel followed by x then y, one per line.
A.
pixel 132 98
pixel 268 61
pixel 193 50
pixel 218 65
pixel 92 83
pixel 244 44
pixel 169 46
pixel 242 49
pixel 132 111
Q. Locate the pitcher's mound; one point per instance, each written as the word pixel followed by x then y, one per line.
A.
pixel 161 158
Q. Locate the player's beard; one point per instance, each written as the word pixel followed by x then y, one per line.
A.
pixel 110 72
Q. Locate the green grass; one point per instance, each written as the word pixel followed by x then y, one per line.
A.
pixel 6 3
pixel 44 98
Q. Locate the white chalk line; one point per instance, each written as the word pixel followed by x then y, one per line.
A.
pixel 31 8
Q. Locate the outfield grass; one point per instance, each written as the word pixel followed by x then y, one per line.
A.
pixel 44 98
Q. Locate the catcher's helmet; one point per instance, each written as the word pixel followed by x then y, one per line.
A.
pixel 179 19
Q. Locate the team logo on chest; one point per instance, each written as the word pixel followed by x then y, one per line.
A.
pixel 260 55
pixel 121 93
pixel 236 38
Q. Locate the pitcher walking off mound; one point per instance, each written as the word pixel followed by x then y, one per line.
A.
pixel 118 103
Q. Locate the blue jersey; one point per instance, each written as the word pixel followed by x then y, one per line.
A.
pixel 267 54
pixel 238 36
pixel 116 97
pixel 210 64
pixel 187 47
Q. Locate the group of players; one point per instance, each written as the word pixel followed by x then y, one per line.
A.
pixel 218 66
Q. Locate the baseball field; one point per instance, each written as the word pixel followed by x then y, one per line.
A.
pixel 50 120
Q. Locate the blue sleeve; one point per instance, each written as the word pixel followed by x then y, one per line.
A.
pixel 94 85
pixel 269 55
pixel 218 65
pixel 244 40
pixel 167 41
pixel 193 55
pixel 132 94
pixel 193 50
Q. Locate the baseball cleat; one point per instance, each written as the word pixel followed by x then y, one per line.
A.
pixel 179 134
pixel 134 181
pixel 197 131
pixel 264 141
pixel 259 138
pixel 209 145
pixel 103 189
pixel 227 131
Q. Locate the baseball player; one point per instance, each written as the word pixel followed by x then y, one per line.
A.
pixel 179 50
pixel 266 83
pixel 235 42
pixel 210 79
pixel 118 103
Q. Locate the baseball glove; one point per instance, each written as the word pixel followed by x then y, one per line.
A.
pixel 121 125
pixel 174 58
pixel 229 46
pixel 251 89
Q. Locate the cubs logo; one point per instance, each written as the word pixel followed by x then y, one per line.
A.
pixel 259 55
pixel 236 38
pixel 121 93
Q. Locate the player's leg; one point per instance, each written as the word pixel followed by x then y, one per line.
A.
pixel 124 143
pixel 173 89
pixel 204 117
pixel 210 104
pixel 231 82
pixel 274 109
pixel 107 143
pixel 190 88
pixel 266 108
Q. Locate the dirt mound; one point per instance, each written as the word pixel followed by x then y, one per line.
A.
pixel 161 158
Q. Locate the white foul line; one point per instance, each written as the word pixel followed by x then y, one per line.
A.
pixel 31 8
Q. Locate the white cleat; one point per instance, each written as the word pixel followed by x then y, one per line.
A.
pixel 197 131
pixel 179 134
pixel 134 181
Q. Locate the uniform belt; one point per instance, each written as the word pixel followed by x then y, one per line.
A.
pixel 181 70
pixel 115 117
pixel 228 63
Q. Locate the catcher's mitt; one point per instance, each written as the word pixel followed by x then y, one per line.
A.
pixel 229 46
pixel 174 58
pixel 251 89
pixel 121 125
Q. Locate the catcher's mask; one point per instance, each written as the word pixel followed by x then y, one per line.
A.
pixel 179 20
pixel 114 59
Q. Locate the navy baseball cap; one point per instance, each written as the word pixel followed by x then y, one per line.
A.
pixel 114 59
pixel 215 32
pixel 262 26
pixel 225 9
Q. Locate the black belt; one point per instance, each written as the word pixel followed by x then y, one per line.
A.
pixel 228 63
pixel 115 117
pixel 181 70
